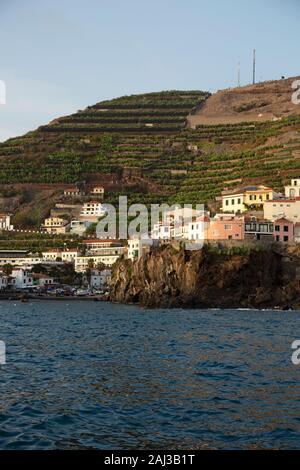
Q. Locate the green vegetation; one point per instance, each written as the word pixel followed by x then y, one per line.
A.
pixel 144 144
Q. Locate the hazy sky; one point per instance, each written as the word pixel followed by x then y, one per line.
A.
pixel 58 56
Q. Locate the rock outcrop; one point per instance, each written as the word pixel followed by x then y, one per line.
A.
pixel 209 278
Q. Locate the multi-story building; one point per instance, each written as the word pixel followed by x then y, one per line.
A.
pixel 283 230
pixel 279 208
pixel 5 222
pixel 92 210
pixel 198 229
pixel 293 190
pixel 259 229
pixel 18 258
pixel 94 244
pixel 51 255
pixel 70 256
pixel 21 279
pixel 162 231
pixel 55 225
pixel 99 252
pixel 136 247
pixel 100 279
pixel 3 281
pixel 226 227
pixel 107 256
pixel 248 197
pixel 233 202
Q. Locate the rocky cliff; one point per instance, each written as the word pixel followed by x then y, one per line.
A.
pixel 211 277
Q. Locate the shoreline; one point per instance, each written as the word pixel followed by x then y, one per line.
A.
pixel 26 298
pixel 143 307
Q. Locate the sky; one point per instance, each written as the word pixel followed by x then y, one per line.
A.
pixel 59 56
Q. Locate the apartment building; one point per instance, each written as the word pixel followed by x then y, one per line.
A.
pixel 283 208
pixel 248 197
pixel 55 225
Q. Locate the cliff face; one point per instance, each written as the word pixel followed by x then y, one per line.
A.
pixel 167 277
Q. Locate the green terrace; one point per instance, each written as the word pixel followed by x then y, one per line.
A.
pixel 113 139
pixel 152 112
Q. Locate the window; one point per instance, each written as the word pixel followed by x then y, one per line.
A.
pixel 267 197
pixel 263 227
pixel 227 227
pixel 286 238
pixel 232 201
pixel 286 228
pixel 277 238
pixel 277 228
pixel 239 200
pixel 226 202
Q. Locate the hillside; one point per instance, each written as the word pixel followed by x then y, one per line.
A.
pixel 143 146
pixel 264 101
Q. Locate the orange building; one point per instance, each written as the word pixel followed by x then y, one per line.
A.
pixel 226 227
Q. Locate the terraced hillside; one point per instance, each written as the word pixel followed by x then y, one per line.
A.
pixel 142 146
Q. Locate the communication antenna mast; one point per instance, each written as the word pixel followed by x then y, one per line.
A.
pixel 239 74
pixel 254 64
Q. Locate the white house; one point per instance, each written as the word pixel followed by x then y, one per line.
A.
pixel 278 208
pixel 136 245
pixel 21 278
pixel 51 255
pixel 97 191
pixel 100 279
pixel 70 256
pixel 134 248
pixel 107 256
pixel 93 210
pixel 3 281
pixel 293 190
pixel 197 229
pixel 5 222
pixel 162 231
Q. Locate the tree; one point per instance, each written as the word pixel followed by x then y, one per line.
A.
pixel 7 269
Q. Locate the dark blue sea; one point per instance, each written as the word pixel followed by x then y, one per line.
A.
pixel 85 375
